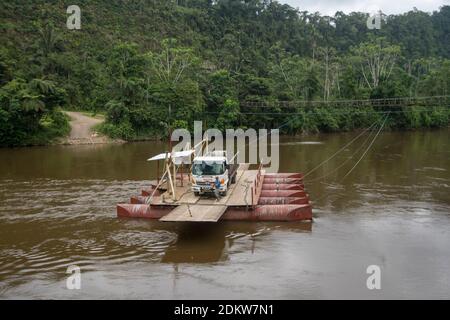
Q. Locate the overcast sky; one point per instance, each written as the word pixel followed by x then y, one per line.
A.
pixel 329 7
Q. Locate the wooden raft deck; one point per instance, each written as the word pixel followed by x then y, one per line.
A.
pixel 245 192
pixel 185 195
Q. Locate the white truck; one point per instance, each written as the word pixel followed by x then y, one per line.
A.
pixel 206 168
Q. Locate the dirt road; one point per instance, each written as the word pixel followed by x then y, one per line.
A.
pixel 82 129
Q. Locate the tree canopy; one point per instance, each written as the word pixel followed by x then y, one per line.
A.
pixel 151 65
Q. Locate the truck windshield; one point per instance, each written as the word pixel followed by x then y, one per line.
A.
pixel 208 168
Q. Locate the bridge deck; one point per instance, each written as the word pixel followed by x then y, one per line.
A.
pixel 431 101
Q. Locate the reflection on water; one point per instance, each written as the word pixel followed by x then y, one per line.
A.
pixel 57 208
pixel 207 243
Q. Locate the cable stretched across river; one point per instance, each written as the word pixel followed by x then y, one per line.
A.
pixel 362 156
pixel 375 138
pixel 342 164
pixel 340 150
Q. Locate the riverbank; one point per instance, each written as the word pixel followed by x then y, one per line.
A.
pixel 84 128
pixel 298 123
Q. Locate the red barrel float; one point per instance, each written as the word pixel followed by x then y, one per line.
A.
pixel 138 200
pixel 142 211
pixel 284 175
pixel 270 213
pixel 282 186
pixel 283 180
pixel 148 192
pixel 283 200
pixel 283 193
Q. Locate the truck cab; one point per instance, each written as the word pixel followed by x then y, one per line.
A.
pixel 206 168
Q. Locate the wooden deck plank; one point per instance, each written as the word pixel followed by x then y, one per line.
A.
pixel 188 198
pixel 166 197
pixel 242 193
pixel 243 166
pixel 195 213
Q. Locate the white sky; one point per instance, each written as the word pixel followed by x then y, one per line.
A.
pixel 329 7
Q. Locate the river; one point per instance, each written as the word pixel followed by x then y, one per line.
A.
pixel 57 208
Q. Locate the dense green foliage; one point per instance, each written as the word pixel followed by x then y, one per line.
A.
pixel 154 64
pixel 29 112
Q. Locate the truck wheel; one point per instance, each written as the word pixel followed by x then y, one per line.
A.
pixel 224 193
pixel 233 179
pixel 196 193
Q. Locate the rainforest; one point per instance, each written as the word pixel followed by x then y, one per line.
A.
pixel 149 66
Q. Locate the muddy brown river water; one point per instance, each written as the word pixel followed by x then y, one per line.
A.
pixel 57 208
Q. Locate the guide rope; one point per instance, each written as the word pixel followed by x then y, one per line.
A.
pixel 376 136
pixel 340 150
pixel 342 164
pixel 359 160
